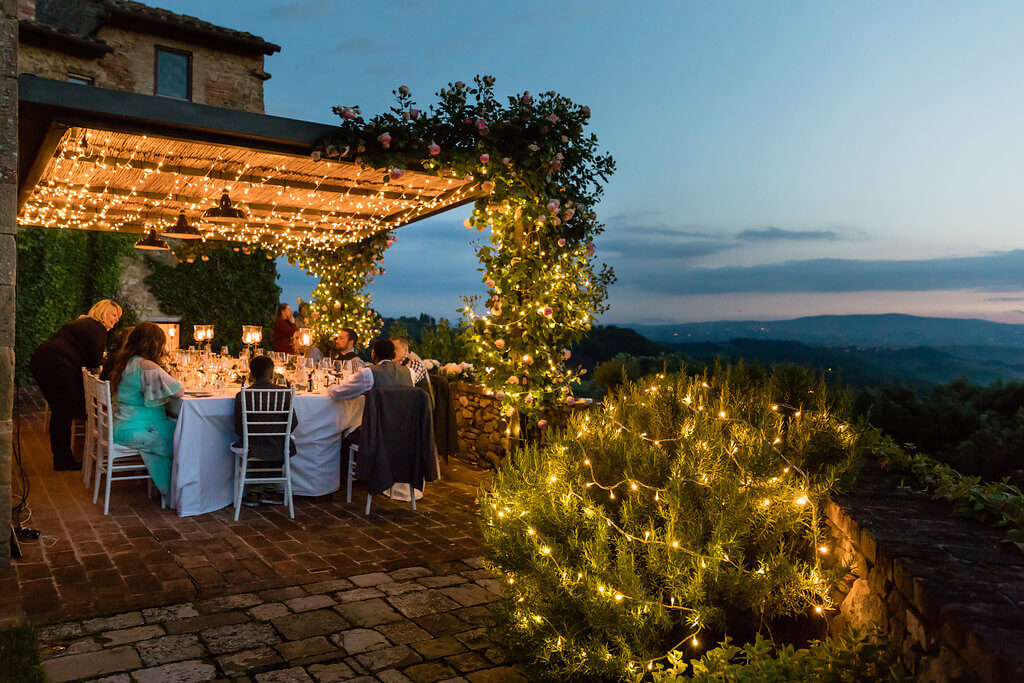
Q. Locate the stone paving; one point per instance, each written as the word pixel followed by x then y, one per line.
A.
pixel 89 565
pixel 420 623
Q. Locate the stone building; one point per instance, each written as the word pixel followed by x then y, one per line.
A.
pixel 132 47
pixel 129 46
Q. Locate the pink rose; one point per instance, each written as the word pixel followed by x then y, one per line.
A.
pixel 570 401
pixel 526 98
pixel 499 395
pixel 500 343
pixel 528 361
pixel 385 140
pixel 434 149
pixel 513 380
pixel 561 242
pixel 566 354
pixel 554 205
pixel 468 223
pixel 586 110
pixel 206 258
pixel 553 118
pixel 404 89
pixel 590 249
pixel 489 283
pixel 481 124
pixel 565 138
pixel 568 214
pixel 414 113
pixel 533 148
pixel 555 166
pixel 548 311
pixel 484 158
pixel 396 173
pixel 315 155
pixel 506 161
pixel 487 187
pixel 460 85
pixel 529 399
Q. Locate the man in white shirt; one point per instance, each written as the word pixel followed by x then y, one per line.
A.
pixel 383 373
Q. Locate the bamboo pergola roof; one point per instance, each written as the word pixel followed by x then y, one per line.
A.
pixel 104 173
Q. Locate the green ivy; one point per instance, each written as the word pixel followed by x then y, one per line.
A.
pixel 61 273
pixel 225 286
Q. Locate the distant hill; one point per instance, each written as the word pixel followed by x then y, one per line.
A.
pixel 919 366
pixel 890 330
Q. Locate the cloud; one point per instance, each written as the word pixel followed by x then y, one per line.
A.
pixel 1000 271
pixel 773 234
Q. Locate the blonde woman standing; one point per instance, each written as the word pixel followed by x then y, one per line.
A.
pixel 57 367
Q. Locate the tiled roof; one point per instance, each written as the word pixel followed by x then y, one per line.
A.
pixel 163 16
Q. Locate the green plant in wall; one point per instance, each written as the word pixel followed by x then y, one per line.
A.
pixel 61 273
pixel 543 175
pixel 340 299
pixel 219 283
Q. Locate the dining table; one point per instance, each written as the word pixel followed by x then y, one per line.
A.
pixel 203 469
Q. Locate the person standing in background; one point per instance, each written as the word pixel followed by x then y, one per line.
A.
pixel 285 330
pixel 57 366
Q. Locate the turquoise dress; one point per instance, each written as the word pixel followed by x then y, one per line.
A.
pixel 141 420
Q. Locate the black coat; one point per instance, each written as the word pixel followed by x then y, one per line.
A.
pixel 446 430
pixel 396 443
pixel 78 344
pixel 262 447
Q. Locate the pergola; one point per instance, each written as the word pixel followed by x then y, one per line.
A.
pixel 98 159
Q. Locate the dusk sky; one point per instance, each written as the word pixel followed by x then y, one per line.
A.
pixel 775 159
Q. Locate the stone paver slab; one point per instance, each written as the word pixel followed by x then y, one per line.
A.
pixel 359 640
pixel 389 657
pixel 279 594
pixel 130 635
pixel 358 594
pixel 422 603
pixel 308 650
pixel 330 586
pixel 71 629
pixel 467 662
pixel 91 664
pixel 268 611
pixel 158 615
pixel 331 673
pixel 368 613
pixel 441 624
pixel 430 672
pixel 77 647
pixel 438 647
pixel 309 624
pixel 118 621
pixel 499 674
pixel 403 632
pixel 409 573
pixel 401 587
pixel 373 579
pixel 469 594
pixel 204 622
pixel 229 602
pixel 476 639
pixel 475 562
pixel 235 637
pixel 296 674
pixel 249 661
pixel 170 649
pixel 392 676
pixel 180 672
pixel 310 602
pixel 442 581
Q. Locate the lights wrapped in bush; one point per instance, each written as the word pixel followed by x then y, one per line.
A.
pixel 685 511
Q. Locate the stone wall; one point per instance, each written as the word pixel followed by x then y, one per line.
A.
pixel 8 251
pixel 220 79
pixel 481 427
pixel 948 591
pixel 133 291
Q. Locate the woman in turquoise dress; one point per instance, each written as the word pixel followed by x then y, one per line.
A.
pixel 144 392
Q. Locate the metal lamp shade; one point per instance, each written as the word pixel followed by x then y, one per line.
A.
pixel 182 230
pixel 224 212
pixel 152 243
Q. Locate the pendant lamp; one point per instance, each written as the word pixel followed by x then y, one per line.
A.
pixel 182 230
pixel 224 212
pixel 152 242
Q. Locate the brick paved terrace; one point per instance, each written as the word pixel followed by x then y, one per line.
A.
pixel 90 565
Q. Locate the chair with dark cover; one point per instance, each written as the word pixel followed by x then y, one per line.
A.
pixel 446 430
pixel 396 444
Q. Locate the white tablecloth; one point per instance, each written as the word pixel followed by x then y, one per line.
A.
pixel 203 473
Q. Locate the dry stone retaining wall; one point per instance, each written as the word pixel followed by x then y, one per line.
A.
pixel 949 591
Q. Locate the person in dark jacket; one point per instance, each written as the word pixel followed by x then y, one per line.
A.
pixel 57 366
pixel 261 369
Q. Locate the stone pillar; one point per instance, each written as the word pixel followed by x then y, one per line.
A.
pixel 9 10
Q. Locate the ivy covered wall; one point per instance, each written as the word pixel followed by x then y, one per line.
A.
pixel 61 273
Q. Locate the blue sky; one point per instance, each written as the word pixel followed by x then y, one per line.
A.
pixel 774 159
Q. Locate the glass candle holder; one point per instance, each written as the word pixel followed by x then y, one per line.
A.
pixel 202 333
pixel 305 336
pixel 252 334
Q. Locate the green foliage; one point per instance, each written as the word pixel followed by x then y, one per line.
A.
pixel 976 430
pixel 340 299
pixel 543 176
pixel 849 658
pixel 613 372
pixel 19 655
pixel 229 288
pixel 998 503
pixel 444 343
pixel 61 274
pixel 688 507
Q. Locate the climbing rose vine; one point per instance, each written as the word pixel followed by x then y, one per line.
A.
pixel 543 175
